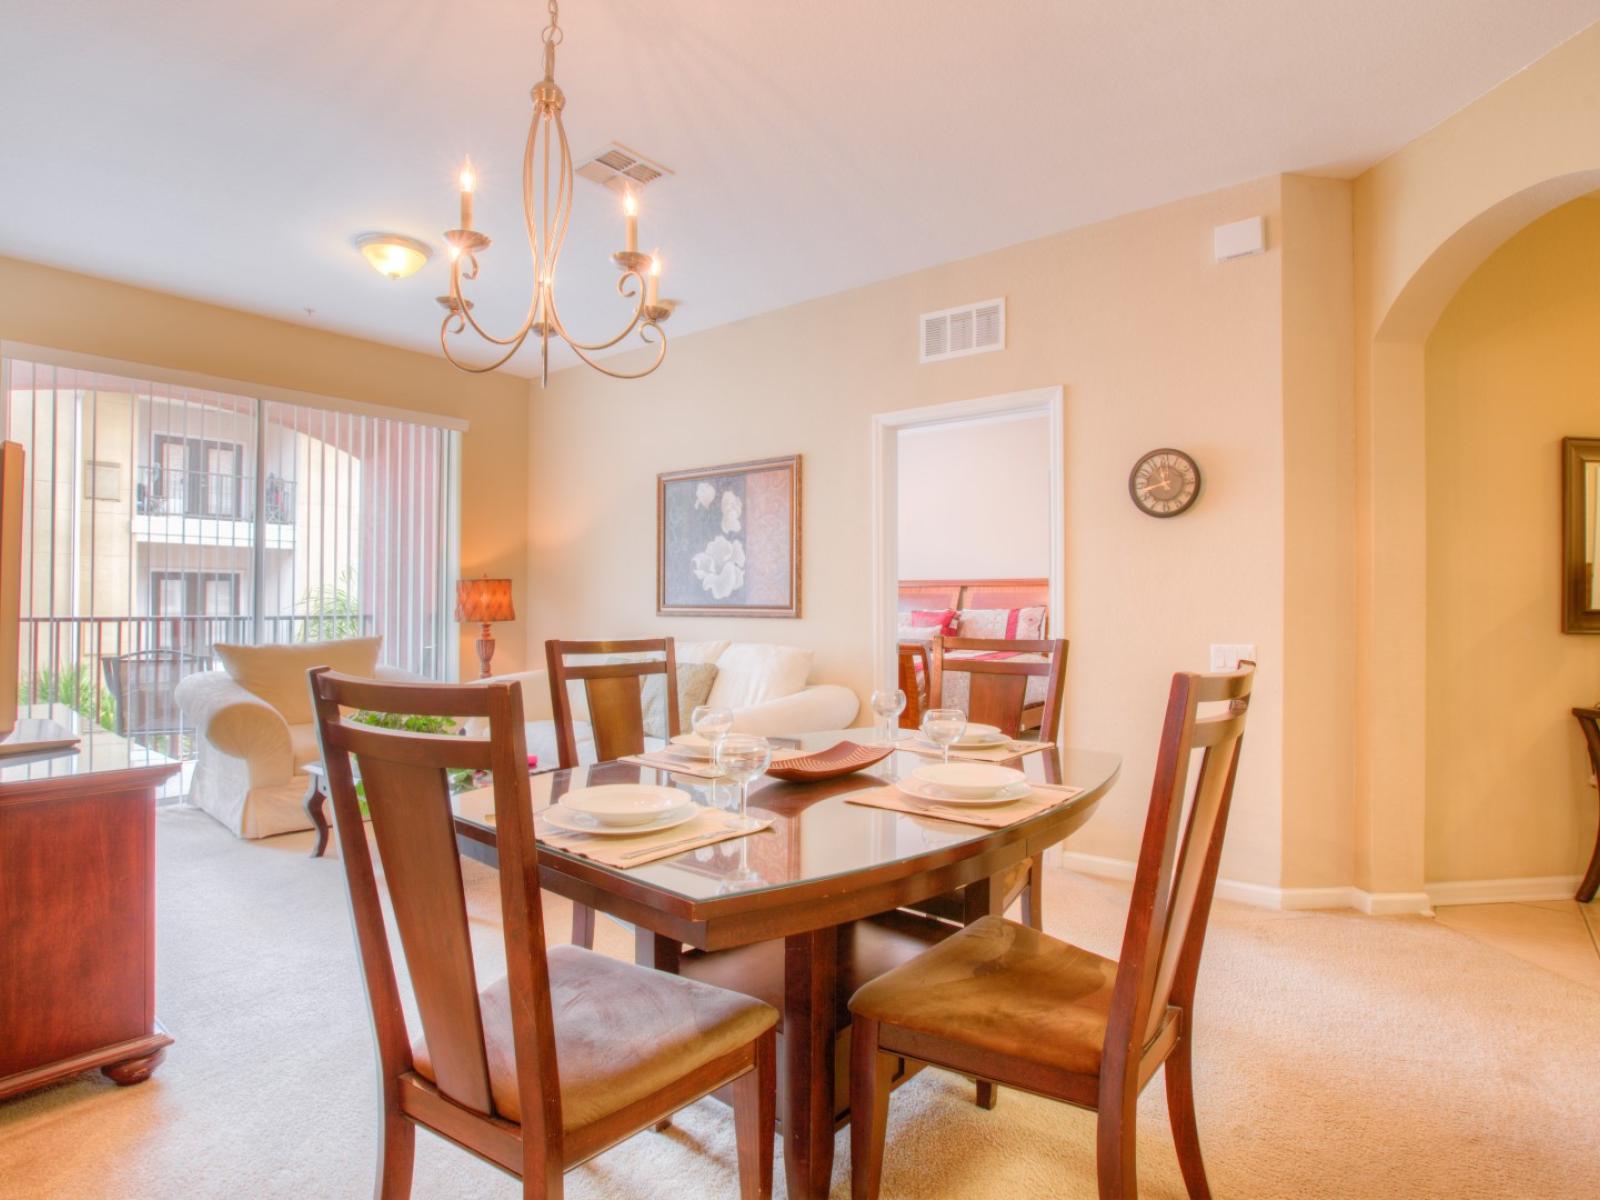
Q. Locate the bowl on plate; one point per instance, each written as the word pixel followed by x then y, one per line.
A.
pixel 979 736
pixel 967 780
pixel 624 803
pixel 692 744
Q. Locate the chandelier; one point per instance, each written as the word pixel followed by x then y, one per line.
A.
pixel 547 210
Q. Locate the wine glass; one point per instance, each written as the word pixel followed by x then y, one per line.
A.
pixel 741 757
pixel 711 723
pixel 887 705
pixel 944 727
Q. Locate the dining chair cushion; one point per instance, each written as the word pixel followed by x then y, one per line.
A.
pixel 751 673
pixel 1005 988
pixel 622 1032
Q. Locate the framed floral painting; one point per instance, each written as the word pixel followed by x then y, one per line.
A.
pixel 728 540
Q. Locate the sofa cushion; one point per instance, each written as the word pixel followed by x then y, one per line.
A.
pixel 750 673
pixel 303 744
pixel 695 680
pixel 277 674
pixel 698 652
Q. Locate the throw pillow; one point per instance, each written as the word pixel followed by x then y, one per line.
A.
pixel 694 685
pixel 751 673
pixel 277 674
pixel 1010 623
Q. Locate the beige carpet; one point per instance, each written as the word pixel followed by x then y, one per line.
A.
pixel 1337 1056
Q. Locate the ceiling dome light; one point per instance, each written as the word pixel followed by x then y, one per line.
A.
pixel 393 254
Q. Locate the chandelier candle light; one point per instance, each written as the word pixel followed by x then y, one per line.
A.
pixel 547 211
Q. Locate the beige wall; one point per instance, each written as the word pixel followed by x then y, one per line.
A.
pixel 1512 367
pixel 1155 345
pixel 1424 219
pixel 61 310
pixel 1319 533
pixel 974 499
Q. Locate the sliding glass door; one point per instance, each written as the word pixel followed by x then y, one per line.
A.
pixel 163 519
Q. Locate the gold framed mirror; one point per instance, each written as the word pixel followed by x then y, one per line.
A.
pixel 1580 534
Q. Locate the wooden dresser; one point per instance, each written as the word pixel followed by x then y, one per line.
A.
pixel 77 915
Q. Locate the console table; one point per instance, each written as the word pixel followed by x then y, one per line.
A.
pixel 77 914
pixel 1589 722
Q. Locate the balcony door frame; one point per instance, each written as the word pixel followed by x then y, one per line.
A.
pixel 261 394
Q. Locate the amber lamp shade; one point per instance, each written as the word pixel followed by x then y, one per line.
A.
pixel 483 601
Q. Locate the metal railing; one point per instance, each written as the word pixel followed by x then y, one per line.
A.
pixel 215 495
pixel 83 662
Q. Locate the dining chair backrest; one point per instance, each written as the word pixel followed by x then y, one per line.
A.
pixel 1177 870
pixel 998 685
pixel 614 692
pixel 404 779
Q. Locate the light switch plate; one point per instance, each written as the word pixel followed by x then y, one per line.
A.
pixel 1226 656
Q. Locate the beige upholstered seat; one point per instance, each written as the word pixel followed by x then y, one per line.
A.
pixel 622 1033
pixel 1004 988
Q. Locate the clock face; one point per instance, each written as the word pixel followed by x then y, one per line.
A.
pixel 1164 483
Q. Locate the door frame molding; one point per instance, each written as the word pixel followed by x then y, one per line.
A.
pixel 884 493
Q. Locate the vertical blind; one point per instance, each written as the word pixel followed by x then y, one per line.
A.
pixel 162 519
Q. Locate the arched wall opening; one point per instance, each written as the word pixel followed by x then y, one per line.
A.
pixel 1511 367
pixel 1392 510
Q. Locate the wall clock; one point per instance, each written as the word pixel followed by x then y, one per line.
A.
pixel 1164 483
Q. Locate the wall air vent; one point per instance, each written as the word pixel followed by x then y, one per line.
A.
pixel 957 332
pixel 620 169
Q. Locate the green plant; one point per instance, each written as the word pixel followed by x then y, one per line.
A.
pixel 74 686
pixel 410 724
pixel 332 610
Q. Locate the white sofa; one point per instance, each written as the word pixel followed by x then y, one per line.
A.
pixel 252 746
pixel 249 772
pixel 766 686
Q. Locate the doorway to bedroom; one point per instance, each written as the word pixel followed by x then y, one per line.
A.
pixel 968 532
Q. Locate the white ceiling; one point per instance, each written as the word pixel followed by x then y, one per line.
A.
pixel 232 151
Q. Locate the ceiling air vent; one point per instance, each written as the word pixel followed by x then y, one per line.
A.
pixel 619 168
pixel 957 332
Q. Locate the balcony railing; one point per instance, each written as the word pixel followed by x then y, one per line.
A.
pixel 211 495
pixel 118 672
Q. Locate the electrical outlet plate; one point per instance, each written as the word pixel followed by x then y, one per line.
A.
pixel 1226 656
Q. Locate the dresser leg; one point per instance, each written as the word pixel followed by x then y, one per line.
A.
pixel 133 1070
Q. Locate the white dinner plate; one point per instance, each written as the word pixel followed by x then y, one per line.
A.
pixel 925 794
pixel 624 803
pixel 968 780
pixel 560 817
pixel 693 745
pixel 980 737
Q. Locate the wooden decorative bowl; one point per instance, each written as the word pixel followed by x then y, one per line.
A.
pixel 830 763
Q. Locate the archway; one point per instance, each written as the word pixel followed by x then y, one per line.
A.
pixel 1392 538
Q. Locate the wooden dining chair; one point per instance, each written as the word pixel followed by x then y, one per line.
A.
pixel 494 1071
pixel 997 694
pixel 614 692
pixel 1010 1005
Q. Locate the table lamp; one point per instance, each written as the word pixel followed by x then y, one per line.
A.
pixel 484 601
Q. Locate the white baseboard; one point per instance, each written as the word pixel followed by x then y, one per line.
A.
pixel 1504 891
pixel 1377 904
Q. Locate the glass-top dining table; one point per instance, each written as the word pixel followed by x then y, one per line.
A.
pixel 804 912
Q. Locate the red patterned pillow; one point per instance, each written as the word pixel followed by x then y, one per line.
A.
pixel 923 625
pixel 1011 624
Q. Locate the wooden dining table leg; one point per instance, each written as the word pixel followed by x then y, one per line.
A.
pixel 810 978
pixel 985 898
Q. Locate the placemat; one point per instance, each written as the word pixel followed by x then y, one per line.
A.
pixel 998 816
pixel 707 827
pixel 999 754
pixel 697 768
